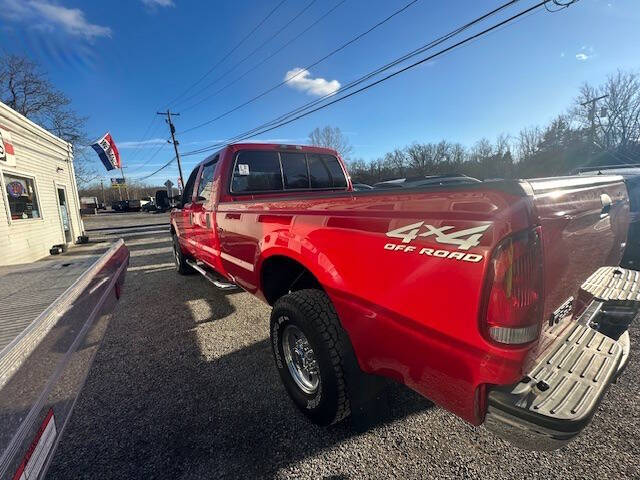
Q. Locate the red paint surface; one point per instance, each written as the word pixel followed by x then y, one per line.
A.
pixel 411 317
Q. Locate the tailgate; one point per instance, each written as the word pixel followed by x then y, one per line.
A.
pixel 584 226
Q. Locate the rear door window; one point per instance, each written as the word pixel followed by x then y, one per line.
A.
pixel 326 172
pixel 319 173
pixel 335 170
pixel 256 171
pixel 294 169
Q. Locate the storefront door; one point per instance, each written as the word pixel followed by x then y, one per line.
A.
pixel 64 215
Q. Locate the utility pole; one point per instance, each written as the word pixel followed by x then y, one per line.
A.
pixel 126 190
pixel 592 119
pixel 173 140
pixel 102 188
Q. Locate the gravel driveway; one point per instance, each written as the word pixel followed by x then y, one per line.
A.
pixel 184 387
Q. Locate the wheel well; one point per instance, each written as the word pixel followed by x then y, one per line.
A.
pixel 281 275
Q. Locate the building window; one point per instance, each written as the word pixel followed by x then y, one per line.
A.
pixel 21 194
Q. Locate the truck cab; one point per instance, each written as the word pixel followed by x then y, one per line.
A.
pixel 240 173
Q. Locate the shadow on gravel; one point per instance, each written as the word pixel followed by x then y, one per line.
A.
pixel 156 406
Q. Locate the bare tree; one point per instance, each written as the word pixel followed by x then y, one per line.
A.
pixel 396 161
pixel 421 156
pixel 528 142
pixel 26 88
pixel 617 116
pixel 331 137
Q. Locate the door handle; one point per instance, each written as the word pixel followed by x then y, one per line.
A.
pixel 232 216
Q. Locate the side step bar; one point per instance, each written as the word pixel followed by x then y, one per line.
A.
pixel 217 282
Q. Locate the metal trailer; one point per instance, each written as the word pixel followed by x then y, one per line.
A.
pixel 43 369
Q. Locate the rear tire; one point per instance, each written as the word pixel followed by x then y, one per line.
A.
pixel 312 354
pixel 182 267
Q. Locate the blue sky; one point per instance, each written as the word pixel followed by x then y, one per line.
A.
pixel 121 61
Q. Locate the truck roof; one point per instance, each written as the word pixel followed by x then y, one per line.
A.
pixel 272 146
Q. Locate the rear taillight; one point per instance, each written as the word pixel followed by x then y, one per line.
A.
pixel 512 306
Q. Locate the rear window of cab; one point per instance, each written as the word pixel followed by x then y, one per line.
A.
pixel 257 171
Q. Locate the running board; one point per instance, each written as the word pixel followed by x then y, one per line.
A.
pixel 219 284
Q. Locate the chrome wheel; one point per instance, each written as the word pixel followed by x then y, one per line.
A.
pixel 300 359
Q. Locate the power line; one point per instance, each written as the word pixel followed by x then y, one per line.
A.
pixel 145 135
pixel 289 79
pixel 264 60
pixel 391 64
pixel 289 119
pixel 278 32
pixel 158 170
pixel 162 145
pixel 229 53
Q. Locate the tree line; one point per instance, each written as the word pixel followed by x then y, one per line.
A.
pixel 589 133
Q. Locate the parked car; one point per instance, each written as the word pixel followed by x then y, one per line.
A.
pixel 149 206
pixel 89 205
pixel 119 206
pixel 162 201
pixel 503 301
pixel 134 205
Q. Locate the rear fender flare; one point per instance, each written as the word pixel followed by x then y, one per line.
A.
pixel 303 251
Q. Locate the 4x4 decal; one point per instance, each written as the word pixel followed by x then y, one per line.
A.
pixel 464 239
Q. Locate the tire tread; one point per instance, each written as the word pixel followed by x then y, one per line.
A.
pixel 318 309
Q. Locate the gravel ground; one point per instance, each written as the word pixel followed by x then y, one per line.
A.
pixel 184 387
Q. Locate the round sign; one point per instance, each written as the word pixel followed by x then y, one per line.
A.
pixel 15 189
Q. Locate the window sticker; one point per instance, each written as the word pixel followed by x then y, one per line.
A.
pixel 243 169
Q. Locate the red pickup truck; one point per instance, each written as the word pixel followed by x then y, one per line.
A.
pixel 501 301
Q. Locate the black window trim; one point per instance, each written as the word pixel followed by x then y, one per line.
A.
pixel 197 169
pixel 196 184
pixel 285 190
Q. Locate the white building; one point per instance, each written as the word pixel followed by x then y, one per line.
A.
pixel 39 204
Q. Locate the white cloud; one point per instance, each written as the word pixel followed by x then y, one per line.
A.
pixel 48 16
pixel 585 53
pixel 159 3
pixel 301 79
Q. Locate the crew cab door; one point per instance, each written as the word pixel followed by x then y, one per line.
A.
pixel 255 174
pixel 184 220
pixel 203 231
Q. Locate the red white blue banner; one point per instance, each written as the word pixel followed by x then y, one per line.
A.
pixel 108 152
pixel 7 155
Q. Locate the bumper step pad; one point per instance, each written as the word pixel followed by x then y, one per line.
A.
pixel 560 395
pixel 614 284
pixel 567 383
